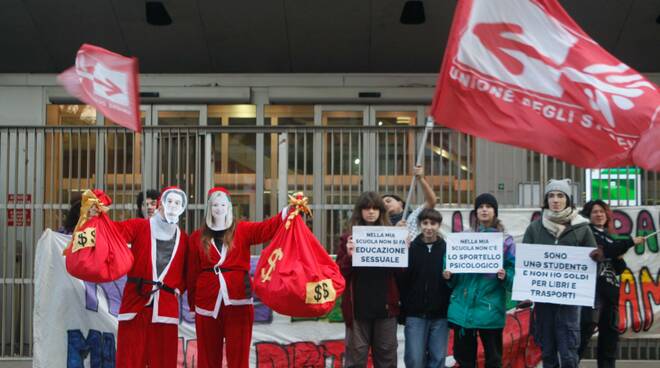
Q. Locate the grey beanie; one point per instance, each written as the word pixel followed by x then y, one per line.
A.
pixel 563 185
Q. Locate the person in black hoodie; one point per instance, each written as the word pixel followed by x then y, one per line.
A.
pixel 605 313
pixel 425 296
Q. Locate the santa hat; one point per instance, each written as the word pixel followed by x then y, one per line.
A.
pixel 217 189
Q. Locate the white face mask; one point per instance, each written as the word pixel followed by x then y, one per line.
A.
pixel 173 205
pixel 219 213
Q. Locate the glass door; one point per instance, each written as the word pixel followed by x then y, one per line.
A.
pixel 341 170
pixel 177 155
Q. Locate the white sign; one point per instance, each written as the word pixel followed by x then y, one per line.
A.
pixel 554 274
pixel 380 246
pixel 474 252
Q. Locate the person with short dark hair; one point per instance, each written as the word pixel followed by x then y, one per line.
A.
pixel 395 205
pixel 425 296
pixel 147 207
pixel 556 327
pixel 605 313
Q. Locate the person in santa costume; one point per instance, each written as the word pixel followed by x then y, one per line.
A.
pixel 149 311
pixel 219 284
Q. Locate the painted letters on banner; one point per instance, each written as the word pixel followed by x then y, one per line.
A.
pixel 75 323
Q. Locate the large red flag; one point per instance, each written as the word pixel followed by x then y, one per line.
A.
pixel 107 81
pixel 522 72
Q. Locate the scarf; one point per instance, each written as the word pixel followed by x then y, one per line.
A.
pixel 556 222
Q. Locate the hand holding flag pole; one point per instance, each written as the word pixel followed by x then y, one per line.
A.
pixel 420 158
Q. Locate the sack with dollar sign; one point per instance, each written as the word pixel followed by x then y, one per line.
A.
pixel 295 276
pixel 97 252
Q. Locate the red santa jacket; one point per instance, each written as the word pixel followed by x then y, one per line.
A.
pixel 137 294
pixel 223 276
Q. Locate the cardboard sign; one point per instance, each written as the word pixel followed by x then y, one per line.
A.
pixel 554 274
pixel 380 246
pixel 474 252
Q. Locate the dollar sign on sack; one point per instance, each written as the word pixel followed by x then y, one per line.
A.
pixel 272 260
pixel 320 292
pixel 82 239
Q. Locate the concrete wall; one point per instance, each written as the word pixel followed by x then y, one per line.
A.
pixel 499 170
pixel 20 105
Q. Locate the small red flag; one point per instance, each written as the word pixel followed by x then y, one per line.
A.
pixel 522 72
pixel 107 81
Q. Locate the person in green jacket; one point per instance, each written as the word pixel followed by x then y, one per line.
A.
pixel 556 327
pixel 478 301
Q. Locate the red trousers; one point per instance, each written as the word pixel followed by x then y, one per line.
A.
pixel 233 327
pixel 141 343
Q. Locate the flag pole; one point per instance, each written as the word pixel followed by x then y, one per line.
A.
pixel 420 157
pixel 651 234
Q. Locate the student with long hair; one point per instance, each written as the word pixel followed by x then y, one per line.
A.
pixel 219 284
pixel 370 302
pixel 556 327
pixel 604 315
pixel 477 305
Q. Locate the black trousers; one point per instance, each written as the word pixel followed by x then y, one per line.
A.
pixel 605 318
pixel 465 346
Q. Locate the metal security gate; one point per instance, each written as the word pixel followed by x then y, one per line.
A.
pixel 332 153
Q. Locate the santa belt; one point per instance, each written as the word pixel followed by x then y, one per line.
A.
pixel 217 270
pixel 159 285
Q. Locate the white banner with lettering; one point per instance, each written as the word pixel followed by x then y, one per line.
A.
pixel 75 322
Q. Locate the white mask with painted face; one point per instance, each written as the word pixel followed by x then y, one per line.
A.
pixel 219 212
pixel 174 204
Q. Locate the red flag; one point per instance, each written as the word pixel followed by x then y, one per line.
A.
pixel 107 81
pixel 522 72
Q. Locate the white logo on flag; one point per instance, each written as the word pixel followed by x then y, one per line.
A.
pixel 517 43
pixel 106 83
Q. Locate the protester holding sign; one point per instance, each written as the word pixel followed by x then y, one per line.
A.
pixel 371 300
pixel 425 296
pixel 219 284
pixel 556 327
pixel 478 301
pixel 606 311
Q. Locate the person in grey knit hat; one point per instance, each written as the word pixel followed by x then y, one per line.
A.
pixel 556 327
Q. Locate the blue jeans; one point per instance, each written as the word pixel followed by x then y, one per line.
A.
pixel 426 342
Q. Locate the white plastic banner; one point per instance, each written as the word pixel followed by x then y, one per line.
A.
pixel 554 274
pixel 380 246
pixel 474 252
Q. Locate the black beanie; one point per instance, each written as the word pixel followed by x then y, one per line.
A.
pixel 486 198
